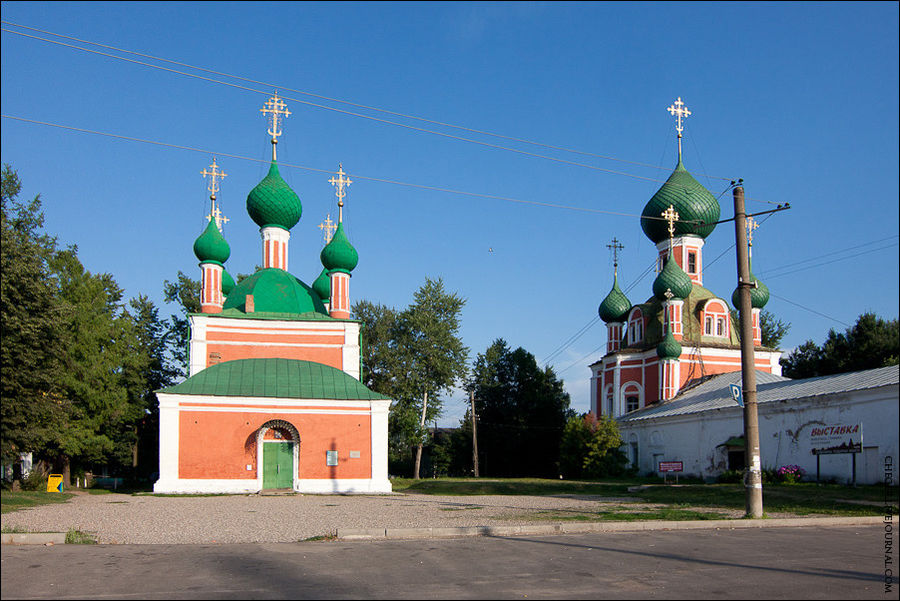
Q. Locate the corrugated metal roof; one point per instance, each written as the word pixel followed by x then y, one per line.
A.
pixel 278 378
pixel 715 393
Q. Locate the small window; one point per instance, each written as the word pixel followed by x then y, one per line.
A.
pixel 609 404
pixel 631 403
pixel 720 326
pixel 708 328
pixel 692 262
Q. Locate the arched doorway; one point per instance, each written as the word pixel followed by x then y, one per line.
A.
pixel 277 454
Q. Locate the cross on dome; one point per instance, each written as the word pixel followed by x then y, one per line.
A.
pixel 339 184
pixel 328 227
pixel 680 111
pixel 275 110
pixel 615 247
pixel 214 175
pixel 670 215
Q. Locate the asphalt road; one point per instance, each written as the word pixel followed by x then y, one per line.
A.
pixel 771 563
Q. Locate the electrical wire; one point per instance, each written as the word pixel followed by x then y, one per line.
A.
pixel 327 171
pixel 322 97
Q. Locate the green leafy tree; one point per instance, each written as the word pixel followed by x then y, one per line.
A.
pixel 148 369
pixel 871 342
pixel 185 292
pixel 413 356
pixel 97 335
pixel 590 448
pixel 521 410
pixel 30 343
pixel 772 329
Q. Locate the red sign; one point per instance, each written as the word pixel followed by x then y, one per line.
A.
pixel 671 466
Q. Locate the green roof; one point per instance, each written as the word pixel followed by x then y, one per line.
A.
pixel 691 200
pixel 227 283
pixel 211 245
pixel 759 296
pixel 672 277
pixel 668 348
pixel 322 286
pixel 615 306
pixel 273 203
pixel 339 254
pixel 274 291
pixel 692 329
pixel 276 378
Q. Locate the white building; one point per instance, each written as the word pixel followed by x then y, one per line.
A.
pixel 703 426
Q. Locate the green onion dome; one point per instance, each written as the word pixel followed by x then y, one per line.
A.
pixel 759 296
pixel 691 200
pixel 274 291
pixel 227 283
pixel 673 278
pixel 615 306
pixel 669 347
pixel 273 203
pixel 322 286
pixel 211 245
pixel 339 254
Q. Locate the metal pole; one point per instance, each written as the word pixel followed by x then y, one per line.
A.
pixel 753 477
pixel 474 433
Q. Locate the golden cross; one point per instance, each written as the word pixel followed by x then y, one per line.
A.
pixel 679 111
pixel 751 225
pixel 214 175
pixel 275 110
pixel 339 183
pixel 616 246
pixel 328 227
pixel 670 215
pixel 219 217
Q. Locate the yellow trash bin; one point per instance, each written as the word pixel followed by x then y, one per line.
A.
pixel 55 483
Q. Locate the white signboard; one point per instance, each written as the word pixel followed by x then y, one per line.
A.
pixel 836 438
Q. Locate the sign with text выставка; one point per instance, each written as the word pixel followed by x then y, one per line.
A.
pixel 838 438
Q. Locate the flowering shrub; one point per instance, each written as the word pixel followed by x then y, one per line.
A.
pixel 790 474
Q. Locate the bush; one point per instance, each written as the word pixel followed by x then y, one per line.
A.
pixel 590 448
pixel 731 477
pixel 35 480
pixel 790 474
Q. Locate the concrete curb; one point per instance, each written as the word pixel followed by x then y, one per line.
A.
pixel 585 527
pixel 33 538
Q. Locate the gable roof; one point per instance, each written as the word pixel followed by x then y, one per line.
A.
pixel 715 394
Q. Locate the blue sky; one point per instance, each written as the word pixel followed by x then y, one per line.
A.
pixel 798 99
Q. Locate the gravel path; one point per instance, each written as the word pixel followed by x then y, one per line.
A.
pixel 126 519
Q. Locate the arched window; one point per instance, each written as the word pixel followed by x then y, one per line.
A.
pixel 633 394
pixel 715 318
pixel 635 326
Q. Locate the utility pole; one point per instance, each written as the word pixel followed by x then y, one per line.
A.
pixel 474 432
pixel 753 475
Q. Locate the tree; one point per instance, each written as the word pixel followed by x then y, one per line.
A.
pixel 521 410
pixel 871 342
pixel 186 292
pixel 97 334
pixel 772 329
pixel 149 368
pixel 413 356
pixel 590 448
pixel 30 345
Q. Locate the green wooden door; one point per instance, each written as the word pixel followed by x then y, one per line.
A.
pixel 278 465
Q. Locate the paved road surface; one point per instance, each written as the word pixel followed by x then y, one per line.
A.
pixel 786 563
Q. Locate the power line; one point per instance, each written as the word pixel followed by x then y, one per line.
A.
pixel 313 169
pixel 785 266
pixel 810 310
pixel 320 96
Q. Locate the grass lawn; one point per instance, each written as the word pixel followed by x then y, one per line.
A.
pixel 13 501
pixel 798 499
